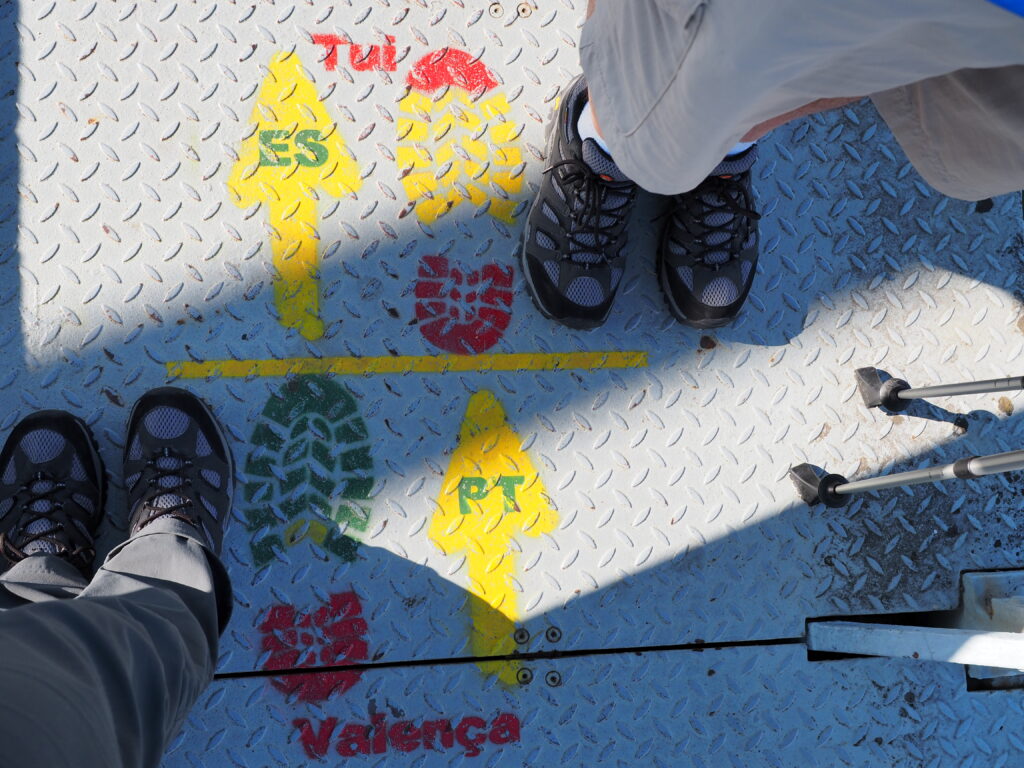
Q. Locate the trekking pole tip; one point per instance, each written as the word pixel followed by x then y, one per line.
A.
pixel 877 393
pixel 813 489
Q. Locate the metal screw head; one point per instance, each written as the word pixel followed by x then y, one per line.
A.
pixel 553 635
pixel 524 10
pixel 521 636
pixel 553 679
pixel 496 11
pixel 524 676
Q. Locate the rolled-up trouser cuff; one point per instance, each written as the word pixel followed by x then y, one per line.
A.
pixel 187 572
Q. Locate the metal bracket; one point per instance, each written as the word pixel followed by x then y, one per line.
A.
pixel 985 634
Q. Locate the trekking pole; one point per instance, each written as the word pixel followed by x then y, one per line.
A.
pixel 896 394
pixel 835 490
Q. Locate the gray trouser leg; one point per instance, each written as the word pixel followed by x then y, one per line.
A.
pixel 40 578
pixel 676 83
pixel 107 678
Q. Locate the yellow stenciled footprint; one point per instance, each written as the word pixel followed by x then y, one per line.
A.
pixel 294 152
pixel 456 141
pixel 490 494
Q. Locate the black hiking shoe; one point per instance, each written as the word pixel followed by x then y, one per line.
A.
pixel 177 464
pixel 52 487
pixel 572 252
pixel 708 252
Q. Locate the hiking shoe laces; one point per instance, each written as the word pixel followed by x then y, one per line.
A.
pixel 599 209
pixel 52 486
pixel 709 248
pixel 177 464
pixel 722 208
pixel 574 241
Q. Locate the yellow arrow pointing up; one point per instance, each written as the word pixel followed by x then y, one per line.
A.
pixel 294 150
pixel 490 494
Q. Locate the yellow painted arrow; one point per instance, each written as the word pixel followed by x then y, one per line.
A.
pixel 490 494
pixel 294 150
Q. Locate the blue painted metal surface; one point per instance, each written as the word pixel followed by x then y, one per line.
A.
pixel 1014 6
pixel 666 515
pixel 763 706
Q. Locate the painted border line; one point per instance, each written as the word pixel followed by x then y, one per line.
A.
pixel 355 366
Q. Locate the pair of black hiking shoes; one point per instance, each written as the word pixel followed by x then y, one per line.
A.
pixel 177 464
pixel 577 231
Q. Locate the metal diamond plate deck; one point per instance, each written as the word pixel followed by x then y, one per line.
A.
pixel 309 214
pixel 735 707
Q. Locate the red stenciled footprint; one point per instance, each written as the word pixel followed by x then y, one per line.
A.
pixel 450 66
pixel 463 312
pixel 332 634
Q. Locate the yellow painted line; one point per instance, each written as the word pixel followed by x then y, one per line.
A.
pixel 355 366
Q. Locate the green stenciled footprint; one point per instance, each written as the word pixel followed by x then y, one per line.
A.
pixel 308 468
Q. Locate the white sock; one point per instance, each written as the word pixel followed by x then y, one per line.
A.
pixel 588 130
pixel 743 146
